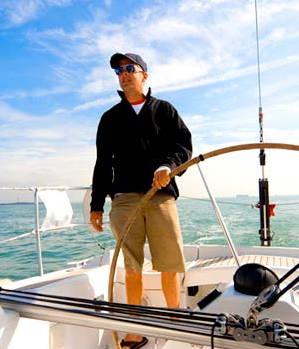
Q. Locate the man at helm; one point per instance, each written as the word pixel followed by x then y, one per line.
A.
pixel 139 141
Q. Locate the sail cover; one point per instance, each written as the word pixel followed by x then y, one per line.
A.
pixel 59 209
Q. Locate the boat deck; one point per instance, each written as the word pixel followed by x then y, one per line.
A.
pixel 269 261
pixel 209 267
pixel 226 261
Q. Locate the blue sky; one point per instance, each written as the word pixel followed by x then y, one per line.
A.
pixel 56 82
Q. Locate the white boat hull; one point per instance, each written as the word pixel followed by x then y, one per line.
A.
pixel 23 326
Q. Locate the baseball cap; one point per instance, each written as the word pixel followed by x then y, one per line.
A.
pixel 114 61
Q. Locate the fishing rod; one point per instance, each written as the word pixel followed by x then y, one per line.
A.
pixel 265 229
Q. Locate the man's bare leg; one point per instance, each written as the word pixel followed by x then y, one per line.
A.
pixel 171 288
pixel 134 287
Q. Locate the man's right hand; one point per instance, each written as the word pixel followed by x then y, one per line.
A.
pixel 96 219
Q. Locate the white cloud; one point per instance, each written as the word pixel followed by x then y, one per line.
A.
pixel 189 44
pixel 178 71
pixel 8 113
pixel 48 150
pixel 58 2
pixel 99 80
pixel 18 12
pixel 96 103
pixel 18 127
pixel 51 166
pixel 56 90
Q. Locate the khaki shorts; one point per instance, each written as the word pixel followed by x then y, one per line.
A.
pixel 158 222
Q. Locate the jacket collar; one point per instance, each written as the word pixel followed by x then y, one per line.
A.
pixel 123 97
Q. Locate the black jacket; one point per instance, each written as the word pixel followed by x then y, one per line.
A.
pixel 131 147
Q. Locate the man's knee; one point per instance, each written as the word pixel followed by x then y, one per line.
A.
pixel 169 274
pixel 133 275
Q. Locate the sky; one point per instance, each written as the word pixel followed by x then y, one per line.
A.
pixel 56 82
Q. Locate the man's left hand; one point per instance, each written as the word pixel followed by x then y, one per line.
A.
pixel 161 178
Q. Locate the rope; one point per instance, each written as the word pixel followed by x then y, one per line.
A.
pixel 238 203
pixel 41 231
pixel 18 237
pixel 98 244
pixel 219 201
pixel 154 189
pixel 102 247
pixel 55 229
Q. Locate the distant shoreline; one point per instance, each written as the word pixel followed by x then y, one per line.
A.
pixel 233 197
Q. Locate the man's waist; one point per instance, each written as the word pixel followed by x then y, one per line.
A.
pixel 169 189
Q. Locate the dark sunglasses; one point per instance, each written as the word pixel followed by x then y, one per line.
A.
pixel 130 68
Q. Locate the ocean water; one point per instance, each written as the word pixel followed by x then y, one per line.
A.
pixel 18 259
